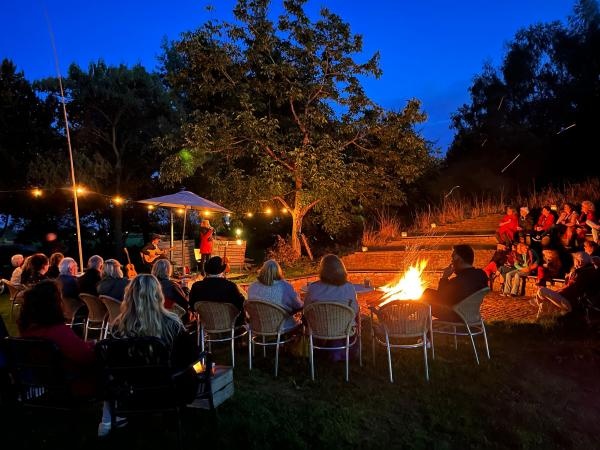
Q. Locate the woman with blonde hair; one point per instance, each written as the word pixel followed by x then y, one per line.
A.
pixel 162 270
pixel 112 282
pixel 272 287
pixel 143 314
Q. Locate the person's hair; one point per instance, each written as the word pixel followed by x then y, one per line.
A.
pixel 65 266
pixel 41 306
pixel 17 260
pixel 112 269
pixel 269 272
pixel 589 204
pixel 570 205
pixel 162 269
pixel 547 208
pixel 524 208
pixel 583 257
pixel 95 262
pixel 143 312
pixel 510 208
pixel 35 263
pixel 56 258
pixel 592 244
pixel 332 270
pixel 465 252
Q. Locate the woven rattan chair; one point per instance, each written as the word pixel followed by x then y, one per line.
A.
pixel 15 292
pixel 113 307
pixel 97 314
pixel 267 321
pixel 71 308
pixel 328 321
pixel 398 321
pixel 471 323
pixel 218 318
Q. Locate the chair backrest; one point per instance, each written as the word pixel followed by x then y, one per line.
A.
pixel 137 374
pixel 216 316
pixel 113 306
pixel 265 317
pixel 13 289
pixel 36 368
pixel 329 320
pixel 404 318
pixel 96 309
pixel 470 308
pixel 70 306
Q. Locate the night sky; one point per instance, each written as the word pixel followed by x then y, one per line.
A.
pixel 430 49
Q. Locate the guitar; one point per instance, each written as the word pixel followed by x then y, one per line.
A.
pixel 154 254
pixel 129 268
pixel 226 260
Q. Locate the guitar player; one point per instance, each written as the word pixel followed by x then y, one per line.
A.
pixel 152 252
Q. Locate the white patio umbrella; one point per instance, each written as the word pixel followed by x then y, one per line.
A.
pixel 185 200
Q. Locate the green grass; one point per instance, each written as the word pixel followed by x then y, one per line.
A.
pixel 539 390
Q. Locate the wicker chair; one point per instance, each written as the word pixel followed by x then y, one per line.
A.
pixel 97 314
pixel 71 307
pixel 15 294
pixel 471 323
pixel 267 321
pixel 218 318
pixel 113 306
pixel 329 321
pixel 398 320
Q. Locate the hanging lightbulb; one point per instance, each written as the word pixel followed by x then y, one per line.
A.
pixel 249 214
pixel 180 211
pixel 118 200
pixel 268 211
pixel 150 207
pixel 37 193
pixel 238 231
pixel 284 210
pixel 80 190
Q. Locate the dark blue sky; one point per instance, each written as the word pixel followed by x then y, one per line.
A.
pixel 430 49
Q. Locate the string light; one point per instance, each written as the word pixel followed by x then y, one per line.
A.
pixel 206 213
pixel 238 241
pixel 268 211
pixel 80 190
pixel 180 211
pixel 37 193
pixel 150 207
pixel 238 231
pixel 118 200
pixel 284 210
pixel 249 215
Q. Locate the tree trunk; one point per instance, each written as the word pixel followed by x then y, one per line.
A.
pixel 297 216
pixel 118 243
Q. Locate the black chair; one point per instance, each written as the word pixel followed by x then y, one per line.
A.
pixel 36 368
pixel 137 378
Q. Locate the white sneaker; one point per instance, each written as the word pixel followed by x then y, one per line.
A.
pixel 105 427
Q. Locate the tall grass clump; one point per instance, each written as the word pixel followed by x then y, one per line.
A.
pixel 386 228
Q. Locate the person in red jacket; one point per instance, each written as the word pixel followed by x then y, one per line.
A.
pixel 507 227
pixel 543 225
pixel 206 243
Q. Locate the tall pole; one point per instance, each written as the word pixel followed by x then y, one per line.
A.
pixel 183 240
pixel 64 107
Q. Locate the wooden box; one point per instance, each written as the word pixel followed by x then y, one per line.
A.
pixel 221 387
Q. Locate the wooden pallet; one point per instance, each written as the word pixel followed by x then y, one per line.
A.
pixel 221 386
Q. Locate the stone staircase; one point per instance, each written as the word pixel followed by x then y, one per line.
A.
pixel 435 247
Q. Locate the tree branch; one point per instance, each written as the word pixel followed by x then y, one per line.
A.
pixel 282 201
pixel 308 207
pixel 272 154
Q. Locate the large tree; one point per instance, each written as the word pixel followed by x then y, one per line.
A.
pixel 277 113
pixel 115 113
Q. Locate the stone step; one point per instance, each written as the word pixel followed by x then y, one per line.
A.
pixel 441 240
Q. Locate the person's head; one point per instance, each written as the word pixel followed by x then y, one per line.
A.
pixel 205 223
pixel 155 239
pixel 568 208
pixel 162 269
pixel 522 248
pixel 143 312
pixel 587 206
pixel 56 258
pixel 332 270
pixel 112 269
pixel 96 262
pixel 67 266
pixel 590 247
pixel 462 256
pixel 510 210
pixel 581 259
pixel 269 272
pixel 17 260
pixel 524 210
pixel 41 306
pixel 37 263
pixel 215 266
pixel 546 210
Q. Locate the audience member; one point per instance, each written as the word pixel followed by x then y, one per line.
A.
pixel 566 223
pixel 34 269
pixel 66 280
pixel 543 225
pixel 88 282
pixel 333 285
pixel 53 269
pixel 163 270
pixel 17 262
pixel 112 283
pixel 271 286
pixel 525 226
pixel 526 263
pixel 507 227
pixel 586 223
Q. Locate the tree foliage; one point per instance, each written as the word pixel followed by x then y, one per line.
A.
pixel 276 113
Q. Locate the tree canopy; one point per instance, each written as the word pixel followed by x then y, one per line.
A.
pixel 276 113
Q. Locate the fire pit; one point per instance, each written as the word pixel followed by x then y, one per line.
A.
pixel 409 286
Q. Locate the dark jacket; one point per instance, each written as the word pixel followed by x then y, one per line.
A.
pixel 584 280
pixel 88 282
pixel 113 287
pixel 173 293
pixel 466 282
pixel 216 289
pixel 68 286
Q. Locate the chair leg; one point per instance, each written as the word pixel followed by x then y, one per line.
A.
pixel 233 347
pixel 455 340
pixel 487 347
pixel 264 347
pixel 473 343
pixel 85 333
pixel 389 355
pixel 250 349
pixel 373 347
pixel 431 335
pixel 277 353
pixel 347 356
pixel 425 356
pixel 360 349
pixel 312 358
pixel 201 337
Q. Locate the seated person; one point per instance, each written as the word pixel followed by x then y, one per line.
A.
pixel 592 249
pixel 583 279
pixel 112 283
pixel 525 226
pixel 54 269
pixel 453 290
pixel 173 292
pixel 215 288
pixel 67 280
pixel 333 285
pixel 499 258
pixel 526 263
pixel 543 225
pixel 270 286
pixel 586 223
pixel 507 227
pixel 17 262
pixel 88 282
pixel 550 268
pixel 565 225
pixel 34 269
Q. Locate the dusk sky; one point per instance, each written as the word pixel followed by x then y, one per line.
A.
pixel 430 49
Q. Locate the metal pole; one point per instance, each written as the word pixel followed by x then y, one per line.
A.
pixel 183 241
pixel 172 236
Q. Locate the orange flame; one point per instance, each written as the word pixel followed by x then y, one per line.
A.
pixel 409 287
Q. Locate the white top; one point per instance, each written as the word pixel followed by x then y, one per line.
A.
pixel 280 293
pixel 323 292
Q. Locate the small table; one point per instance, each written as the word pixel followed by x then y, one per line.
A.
pixel 359 288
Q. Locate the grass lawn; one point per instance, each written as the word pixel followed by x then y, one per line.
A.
pixel 540 390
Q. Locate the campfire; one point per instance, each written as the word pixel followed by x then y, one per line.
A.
pixel 410 286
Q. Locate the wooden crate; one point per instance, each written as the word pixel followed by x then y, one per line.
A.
pixel 221 385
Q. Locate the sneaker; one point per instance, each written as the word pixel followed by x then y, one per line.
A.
pixel 105 427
